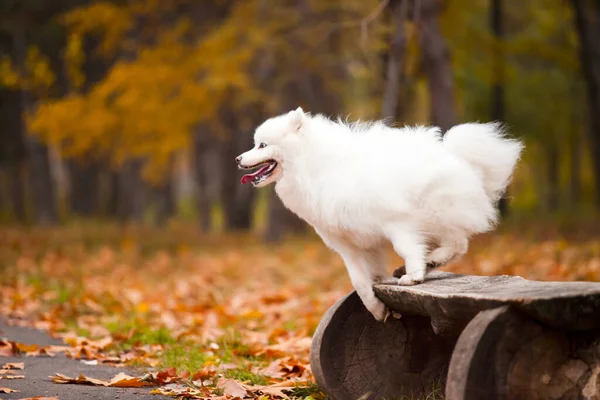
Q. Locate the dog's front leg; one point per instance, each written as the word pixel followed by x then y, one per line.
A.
pixel 365 267
pixel 362 267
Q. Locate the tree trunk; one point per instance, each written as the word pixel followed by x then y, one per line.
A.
pixel 113 195
pixel 587 22
pixel 84 187
pixel 16 188
pixel 575 169
pixel 497 100
pixel 164 196
pixel 13 152
pixel 436 62
pixel 131 191
pixel 395 59
pixel 553 189
pixel 237 199
pixel 42 188
pixel 204 146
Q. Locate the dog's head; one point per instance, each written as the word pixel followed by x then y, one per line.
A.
pixel 273 142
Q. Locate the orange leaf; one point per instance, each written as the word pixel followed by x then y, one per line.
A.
pixel 12 377
pixel 24 348
pixel 41 398
pixel 13 366
pixel 205 373
pixel 124 380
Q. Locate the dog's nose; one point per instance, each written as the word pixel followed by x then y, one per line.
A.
pixel 238 159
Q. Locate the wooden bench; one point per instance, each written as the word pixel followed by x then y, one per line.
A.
pixel 464 337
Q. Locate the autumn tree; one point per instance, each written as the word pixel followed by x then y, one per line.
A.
pixel 130 94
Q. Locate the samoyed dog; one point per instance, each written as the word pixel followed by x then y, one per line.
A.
pixel 362 184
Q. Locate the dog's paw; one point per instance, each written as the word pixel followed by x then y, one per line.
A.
pixel 379 311
pixel 408 280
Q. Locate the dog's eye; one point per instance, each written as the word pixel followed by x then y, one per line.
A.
pixel 262 145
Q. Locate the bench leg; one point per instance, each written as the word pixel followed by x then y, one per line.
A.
pixel 503 354
pixel 353 356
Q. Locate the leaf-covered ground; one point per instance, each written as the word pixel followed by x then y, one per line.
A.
pixel 215 316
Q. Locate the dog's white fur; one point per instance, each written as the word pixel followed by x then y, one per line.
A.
pixel 362 184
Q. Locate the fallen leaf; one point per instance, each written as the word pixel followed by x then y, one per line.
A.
pixel 13 365
pixel 40 398
pixel 8 348
pixel 7 371
pixel 81 379
pixel 231 387
pixel 278 389
pixel 183 392
pixel 287 367
pixel 8 390
pixel 49 351
pixel 12 377
pixel 24 348
pixel 205 373
pixel 124 380
pixel 119 380
pixel 168 375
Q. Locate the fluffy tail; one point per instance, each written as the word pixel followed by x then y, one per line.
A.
pixel 486 148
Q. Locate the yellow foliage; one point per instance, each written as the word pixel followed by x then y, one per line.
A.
pixel 74 58
pixel 39 76
pixel 36 75
pixel 147 108
pixel 9 77
pixel 105 18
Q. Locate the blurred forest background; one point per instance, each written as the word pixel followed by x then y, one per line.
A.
pixel 120 201
pixel 134 110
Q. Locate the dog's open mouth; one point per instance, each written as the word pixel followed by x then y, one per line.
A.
pixel 265 169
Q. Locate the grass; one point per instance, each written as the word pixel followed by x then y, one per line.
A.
pixel 246 376
pixel 310 392
pixel 184 357
pixel 434 392
pixel 154 336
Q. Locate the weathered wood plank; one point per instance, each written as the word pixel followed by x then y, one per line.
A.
pixel 453 300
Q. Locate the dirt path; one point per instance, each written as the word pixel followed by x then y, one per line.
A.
pixel 38 369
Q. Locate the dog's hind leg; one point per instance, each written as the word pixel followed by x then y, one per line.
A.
pixel 451 248
pixel 410 246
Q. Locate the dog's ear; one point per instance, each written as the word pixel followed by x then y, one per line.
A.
pixel 297 119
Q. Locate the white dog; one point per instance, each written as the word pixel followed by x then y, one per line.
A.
pixel 362 184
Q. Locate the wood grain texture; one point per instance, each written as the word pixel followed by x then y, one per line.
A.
pixel 499 337
pixel 354 356
pixel 452 300
pixel 502 354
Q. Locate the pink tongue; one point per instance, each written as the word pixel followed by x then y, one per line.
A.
pixel 250 177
